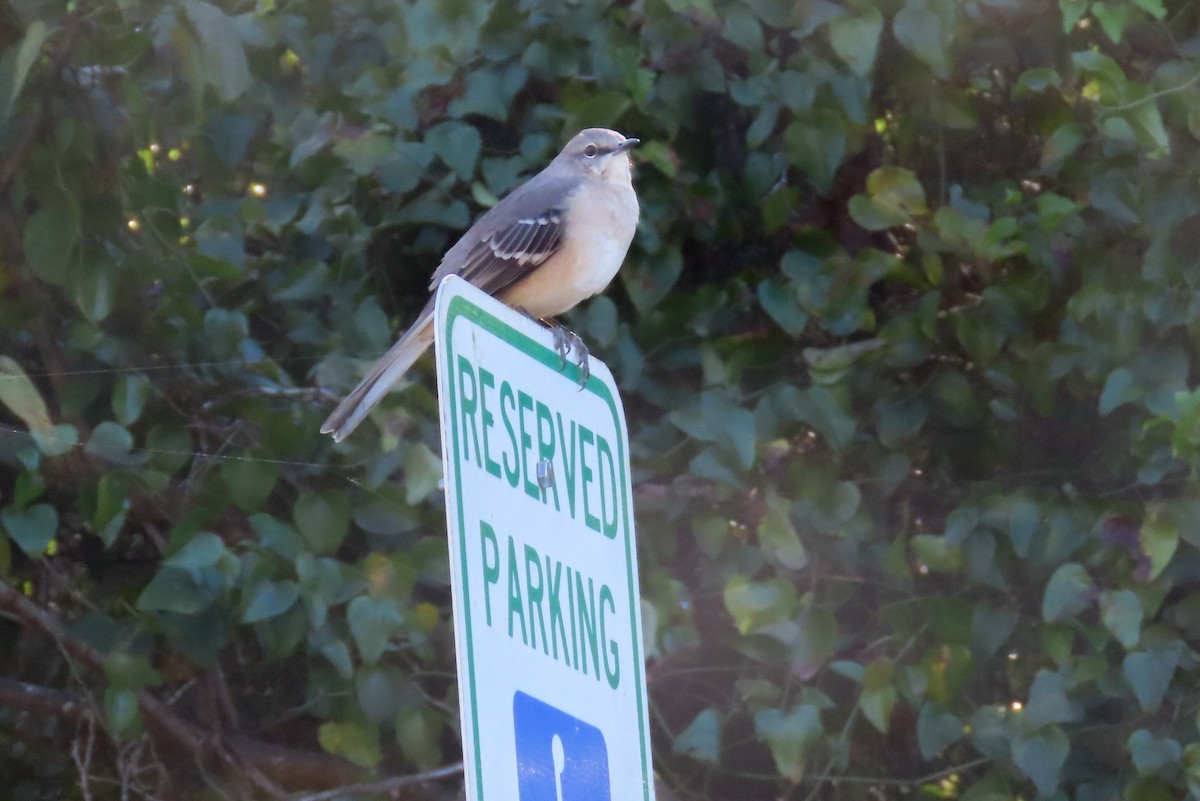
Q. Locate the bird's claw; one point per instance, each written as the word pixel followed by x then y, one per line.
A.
pixel 564 342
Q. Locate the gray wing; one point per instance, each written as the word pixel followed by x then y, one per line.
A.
pixel 513 239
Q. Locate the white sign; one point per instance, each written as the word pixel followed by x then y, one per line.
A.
pixel 547 618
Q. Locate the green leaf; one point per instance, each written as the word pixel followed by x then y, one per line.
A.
pixel 1154 8
pixel 991 628
pixel 991 731
pixel 31 529
pixel 587 108
pixel 362 151
pixel 779 537
pixel 1151 754
pixel 202 550
pixel 1147 122
pixel 486 93
pixel 222 56
pixel 1038 79
pixel 130 671
pixel 422 472
pixel 323 520
pixel 93 291
pixel 62 439
pixel 1069 592
pixel 457 145
pixel 754 604
pixel 816 641
pixel 703 7
pixel 828 366
pixel 816 143
pixel 386 512
pixel 717 419
pixel 1053 209
pixel 649 279
pixel 936 555
pixel 1119 388
pixel 270 598
pixel 1191 764
pixel 1041 757
pixel 742 29
pixel 129 398
pixel 1149 673
pixel 174 589
pixel 1048 702
pixel 224 332
pixel 937 728
pixel 781 304
pixel 121 712
pixel 900 421
pixel 15 66
pixel 879 695
pixel 779 206
pixel 870 216
pixel 50 239
pixel 338 654
pixel 22 398
pixel 1159 538
pixel 894 197
pixel 701 739
pixel 790 735
pixel 418 733
pixel 1072 11
pixel 249 481
pixel 1065 140
pixel 357 741
pixel 823 410
pixel 385 691
pixel 993 786
pixel 373 621
pixel 1112 18
pixel 277 536
pixel 922 31
pixel 1122 613
pixel 113 443
pixel 855 39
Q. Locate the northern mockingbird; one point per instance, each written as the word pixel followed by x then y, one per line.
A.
pixel 554 241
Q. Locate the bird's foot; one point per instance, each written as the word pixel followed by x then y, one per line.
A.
pixel 564 342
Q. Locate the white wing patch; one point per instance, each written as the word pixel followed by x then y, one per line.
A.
pixel 529 241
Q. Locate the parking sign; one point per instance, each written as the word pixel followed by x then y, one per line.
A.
pixel 547 616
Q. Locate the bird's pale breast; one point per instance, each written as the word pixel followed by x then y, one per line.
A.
pixel 599 227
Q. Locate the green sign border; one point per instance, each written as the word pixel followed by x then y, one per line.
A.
pixel 460 307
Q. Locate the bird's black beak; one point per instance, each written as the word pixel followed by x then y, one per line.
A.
pixel 627 144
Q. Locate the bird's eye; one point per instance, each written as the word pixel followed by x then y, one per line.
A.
pixel 590 151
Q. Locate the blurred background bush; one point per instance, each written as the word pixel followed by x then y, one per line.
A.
pixel 906 340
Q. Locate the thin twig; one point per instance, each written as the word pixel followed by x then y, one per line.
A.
pixel 157 714
pixel 1170 90
pixel 386 786
pixel 83 758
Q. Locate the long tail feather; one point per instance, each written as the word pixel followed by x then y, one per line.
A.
pixel 387 371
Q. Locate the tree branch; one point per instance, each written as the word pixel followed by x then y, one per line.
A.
pixel 263 765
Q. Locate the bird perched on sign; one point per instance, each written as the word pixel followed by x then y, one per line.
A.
pixel 553 242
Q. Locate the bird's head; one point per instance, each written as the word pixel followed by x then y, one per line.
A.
pixel 600 151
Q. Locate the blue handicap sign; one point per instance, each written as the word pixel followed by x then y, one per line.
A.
pixel 559 757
